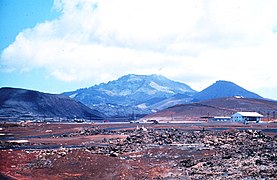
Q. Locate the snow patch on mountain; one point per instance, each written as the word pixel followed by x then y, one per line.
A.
pixel 73 95
pixel 133 78
pixel 160 88
pixel 146 90
pixel 142 106
pixel 108 92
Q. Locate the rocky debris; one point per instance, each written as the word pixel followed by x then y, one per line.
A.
pixel 142 139
pixel 114 154
pixel 87 131
pixel 187 163
pixel 139 140
pixel 231 154
pixel 156 136
pixel 40 163
pixel 61 152
pixel 235 154
pixel 43 157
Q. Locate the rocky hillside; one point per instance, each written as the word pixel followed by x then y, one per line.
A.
pixel 27 103
pixel 140 92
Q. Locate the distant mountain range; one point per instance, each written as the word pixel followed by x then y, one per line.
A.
pixel 133 96
pixel 215 107
pixel 21 103
pixel 144 94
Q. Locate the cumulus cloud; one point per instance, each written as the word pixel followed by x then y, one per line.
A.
pixel 197 41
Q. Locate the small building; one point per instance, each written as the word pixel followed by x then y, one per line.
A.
pixel 246 117
pixel 220 118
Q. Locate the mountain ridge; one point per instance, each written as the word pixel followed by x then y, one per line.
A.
pixel 145 94
pixel 128 96
pixel 18 102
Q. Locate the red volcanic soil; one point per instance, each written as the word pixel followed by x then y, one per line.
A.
pixel 139 151
pixel 216 107
pixel 79 163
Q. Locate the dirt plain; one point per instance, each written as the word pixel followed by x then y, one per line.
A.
pixel 138 151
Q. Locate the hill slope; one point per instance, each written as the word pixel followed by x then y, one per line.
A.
pixel 21 102
pixel 224 89
pixel 136 91
pixel 216 107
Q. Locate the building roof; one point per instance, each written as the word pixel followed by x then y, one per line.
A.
pixel 250 114
pixel 221 117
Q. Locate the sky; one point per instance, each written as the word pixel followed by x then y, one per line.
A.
pixel 57 46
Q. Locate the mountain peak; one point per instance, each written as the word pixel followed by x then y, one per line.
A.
pixel 142 77
pixel 132 83
pixel 224 88
pixel 132 90
pixel 224 81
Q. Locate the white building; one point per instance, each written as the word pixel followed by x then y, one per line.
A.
pixel 246 117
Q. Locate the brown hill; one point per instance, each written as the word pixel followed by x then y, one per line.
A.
pixel 19 103
pixel 216 107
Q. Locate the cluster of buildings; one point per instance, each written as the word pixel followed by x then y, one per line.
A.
pixel 243 117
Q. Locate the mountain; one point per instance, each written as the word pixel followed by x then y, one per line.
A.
pixel 139 92
pixel 171 101
pixel 16 102
pixel 215 107
pixel 224 89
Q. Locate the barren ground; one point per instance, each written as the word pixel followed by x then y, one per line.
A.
pixel 138 151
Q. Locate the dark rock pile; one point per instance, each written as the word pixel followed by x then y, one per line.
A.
pixel 140 139
pixel 87 132
pixel 237 154
pixel 43 158
pixel 234 154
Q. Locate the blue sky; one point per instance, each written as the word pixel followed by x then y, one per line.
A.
pixel 19 15
pixel 57 46
pixel 15 17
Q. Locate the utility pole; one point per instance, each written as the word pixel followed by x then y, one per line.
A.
pixel 268 113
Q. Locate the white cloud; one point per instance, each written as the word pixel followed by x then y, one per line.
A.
pixel 193 41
